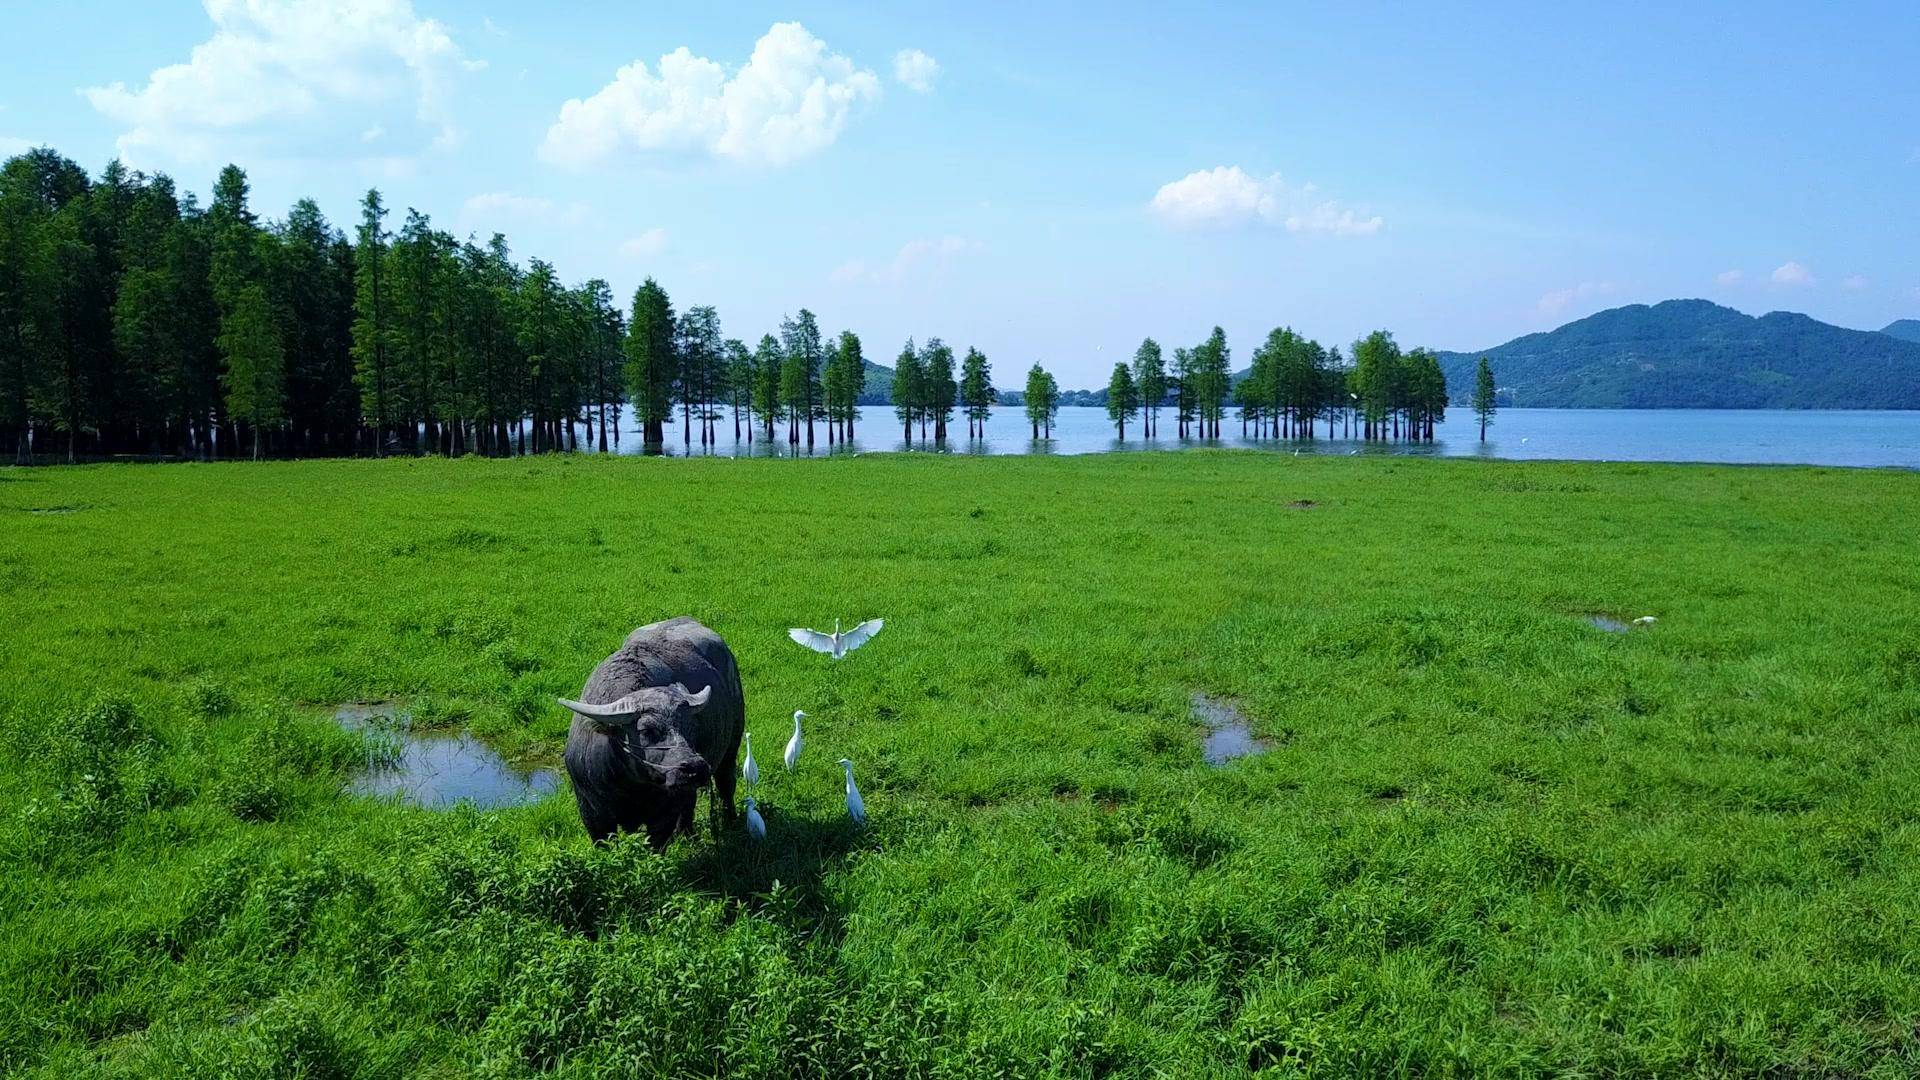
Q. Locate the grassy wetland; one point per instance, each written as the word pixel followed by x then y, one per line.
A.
pixel 1482 836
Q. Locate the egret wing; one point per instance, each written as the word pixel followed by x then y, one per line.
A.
pixel 861 634
pixel 812 639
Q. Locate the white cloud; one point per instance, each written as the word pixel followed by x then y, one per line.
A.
pixel 791 99
pixel 915 70
pixel 1792 273
pixel 915 258
pixel 491 27
pixel 1559 300
pixel 646 245
pixel 1731 277
pixel 1855 282
pixel 1227 197
pixel 291 78
pixel 496 206
pixel 10 146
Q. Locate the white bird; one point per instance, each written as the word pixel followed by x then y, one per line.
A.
pixel 750 769
pixel 836 644
pixel 1645 620
pixel 856 809
pixel 756 825
pixel 794 744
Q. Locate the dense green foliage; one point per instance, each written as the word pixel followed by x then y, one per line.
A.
pixel 1487 838
pixel 134 322
pixel 1123 398
pixel 1042 401
pixel 1693 354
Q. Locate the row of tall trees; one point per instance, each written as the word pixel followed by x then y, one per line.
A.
pixel 1291 383
pixel 926 390
pixel 135 321
pixel 132 320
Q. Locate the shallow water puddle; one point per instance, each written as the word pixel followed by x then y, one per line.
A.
pixel 1607 623
pixel 438 769
pixel 1228 735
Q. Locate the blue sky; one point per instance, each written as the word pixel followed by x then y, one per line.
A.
pixel 1051 183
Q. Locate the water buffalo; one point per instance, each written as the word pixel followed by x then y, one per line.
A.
pixel 657 721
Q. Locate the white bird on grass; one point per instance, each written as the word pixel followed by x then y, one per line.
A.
pixel 837 644
pixel 756 825
pixel 856 809
pixel 750 769
pixel 1645 620
pixel 794 744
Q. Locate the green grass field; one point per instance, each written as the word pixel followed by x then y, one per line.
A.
pixel 1489 838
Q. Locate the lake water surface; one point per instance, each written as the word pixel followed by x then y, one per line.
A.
pixel 1803 437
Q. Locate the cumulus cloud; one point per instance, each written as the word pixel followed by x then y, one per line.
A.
pixel 915 258
pixel 646 245
pixel 915 70
pixel 1731 277
pixel 1855 282
pixel 791 99
pixel 495 206
pixel 285 78
pixel 1559 300
pixel 1792 273
pixel 1227 197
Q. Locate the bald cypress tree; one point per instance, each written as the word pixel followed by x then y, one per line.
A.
pixel 1483 396
pixel 1123 399
pixel 976 391
pixel 373 319
pixel 767 361
pixel 909 389
pixel 256 371
pixel 1150 379
pixel 941 389
pixel 652 361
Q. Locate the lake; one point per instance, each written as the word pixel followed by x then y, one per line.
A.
pixel 1803 437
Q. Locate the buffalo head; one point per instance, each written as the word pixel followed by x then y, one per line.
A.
pixel 648 726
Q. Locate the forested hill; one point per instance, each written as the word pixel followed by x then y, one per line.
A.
pixel 1693 354
pixel 1904 329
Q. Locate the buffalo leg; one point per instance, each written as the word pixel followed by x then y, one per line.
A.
pixel 724 781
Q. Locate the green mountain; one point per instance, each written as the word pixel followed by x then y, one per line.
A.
pixel 1692 354
pixel 1904 329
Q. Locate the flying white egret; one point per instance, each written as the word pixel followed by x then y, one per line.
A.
pixel 856 809
pixel 794 744
pixel 756 825
pixel 750 769
pixel 836 644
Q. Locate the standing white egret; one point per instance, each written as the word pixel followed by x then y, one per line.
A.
pixel 756 825
pixel 750 769
pixel 836 644
pixel 794 744
pixel 856 809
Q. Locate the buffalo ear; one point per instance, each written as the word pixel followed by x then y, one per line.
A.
pixel 697 701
